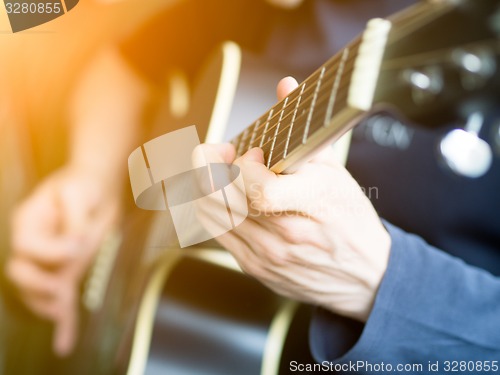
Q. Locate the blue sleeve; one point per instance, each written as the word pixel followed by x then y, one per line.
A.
pixel 430 307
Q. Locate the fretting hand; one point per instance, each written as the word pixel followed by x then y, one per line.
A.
pixel 312 235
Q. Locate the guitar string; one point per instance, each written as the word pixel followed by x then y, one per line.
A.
pixel 330 67
pixel 290 107
pixel 309 82
pixel 441 56
pixel 340 94
pixel 432 56
pixel 336 62
pixel 299 124
pixel 388 65
pixel 332 63
pixel 297 141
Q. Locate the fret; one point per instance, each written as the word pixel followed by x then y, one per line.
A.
pixel 294 140
pixel 335 87
pixel 254 134
pixel 263 136
pixel 341 97
pixel 276 131
pixel 317 118
pixel 241 146
pixel 311 108
pixel 236 141
pixel 292 122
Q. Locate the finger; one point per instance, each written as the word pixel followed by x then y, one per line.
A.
pixel 42 306
pixel 31 279
pixel 213 153
pixel 35 227
pixel 285 87
pixel 50 252
pixel 269 192
pixel 326 155
pixel 66 330
pixel 243 249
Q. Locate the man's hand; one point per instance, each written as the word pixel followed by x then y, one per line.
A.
pixel 56 232
pixel 312 235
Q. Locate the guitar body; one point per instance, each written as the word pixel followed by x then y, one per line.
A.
pixel 151 307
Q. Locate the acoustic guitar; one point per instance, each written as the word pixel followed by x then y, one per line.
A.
pixel 154 308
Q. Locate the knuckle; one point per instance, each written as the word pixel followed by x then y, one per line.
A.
pixel 291 231
pixel 278 257
pixel 295 237
pixel 249 268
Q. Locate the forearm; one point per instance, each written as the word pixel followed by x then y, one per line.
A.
pixel 106 115
pixel 430 306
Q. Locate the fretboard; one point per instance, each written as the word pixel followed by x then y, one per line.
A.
pixel 320 109
pixel 289 124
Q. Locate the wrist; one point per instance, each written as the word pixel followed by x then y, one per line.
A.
pixel 378 265
pixel 365 282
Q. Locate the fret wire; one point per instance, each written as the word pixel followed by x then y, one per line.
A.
pixel 242 142
pixel 313 104
pixel 265 128
pixel 341 86
pixel 236 141
pixel 333 62
pixel 295 139
pixel 331 106
pixel 307 98
pixel 276 132
pixel 292 121
pixel 254 133
pixel 335 86
pixel 343 95
pixel 340 99
pixel 293 95
pixel 295 142
pixel 258 124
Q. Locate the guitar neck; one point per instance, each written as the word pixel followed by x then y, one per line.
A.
pixel 323 107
